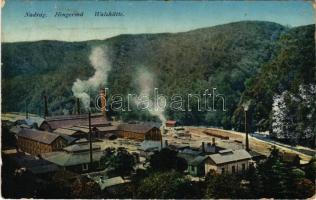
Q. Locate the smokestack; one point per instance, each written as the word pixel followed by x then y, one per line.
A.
pixel 213 142
pixel 103 101
pixel 203 147
pixel 78 106
pixel 45 106
pixel 90 139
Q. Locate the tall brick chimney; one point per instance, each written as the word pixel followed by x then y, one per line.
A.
pixel 103 101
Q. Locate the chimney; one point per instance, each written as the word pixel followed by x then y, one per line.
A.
pixel 103 101
pixel 78 106
pixel 203 147
pixel 90 139
pixel 45 106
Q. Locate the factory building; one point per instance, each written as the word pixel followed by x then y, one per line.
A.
pixel 139 132
pixel 37 142
pixel 228 161
pixel 52 123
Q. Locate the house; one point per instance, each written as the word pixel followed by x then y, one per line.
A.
pixel 36 142
pixel 196 166
pixel 171 123
pixel 110 186
pixel 67 121
pixel 105 182
pixel 228 161
pixel 195 160
pixel 139 132
pixel 76 158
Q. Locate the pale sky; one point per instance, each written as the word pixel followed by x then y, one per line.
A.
pixel 139 17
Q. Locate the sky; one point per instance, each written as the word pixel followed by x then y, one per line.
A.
pixel 139 17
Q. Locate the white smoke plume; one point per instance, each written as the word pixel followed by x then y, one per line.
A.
pixel 81 88
pixel 145 84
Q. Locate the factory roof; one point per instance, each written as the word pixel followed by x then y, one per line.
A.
pixel 226 156
pixel 198 160
pixel 110 182
pixel 69 139
pixel 63 158
pixel 137 128
pixel 15 129
pixel 187 157
pixel 107 128
pixel 81 147
pixel 66 131
pixel 36 166
pixel 39 136
pixel 14 117
pixel 84 129
pixel 149 144
pixel 75 120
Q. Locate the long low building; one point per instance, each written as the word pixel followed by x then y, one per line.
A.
pixel 53 123
pixel 228 161
pixel 37 142
pixel 139 132
pixel 76 157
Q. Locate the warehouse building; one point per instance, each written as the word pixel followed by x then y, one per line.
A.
pixel 37 142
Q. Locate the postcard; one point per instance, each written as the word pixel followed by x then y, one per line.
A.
pixel 158 99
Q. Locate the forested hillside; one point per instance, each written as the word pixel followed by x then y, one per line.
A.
pixel 283 93
pixel 263 57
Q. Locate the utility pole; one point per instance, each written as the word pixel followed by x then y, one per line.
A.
pixel 90 139
pixel 45 105
pixel 247 139
pixel 26 111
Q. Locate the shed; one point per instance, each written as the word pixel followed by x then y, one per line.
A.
pixel 171 123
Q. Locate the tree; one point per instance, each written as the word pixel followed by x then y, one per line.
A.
pixel 304 189
pixel 166 185
pixel 223 186
pixel 310 169
pixel 273 173
pixel 119 162
pixel 255 182
pixel 84 188
pixel 167 159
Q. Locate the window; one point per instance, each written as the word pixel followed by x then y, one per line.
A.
pixel 223 170
pixel 85 167
pixel 233 169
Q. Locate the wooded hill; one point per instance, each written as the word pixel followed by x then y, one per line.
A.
pixel 235 58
